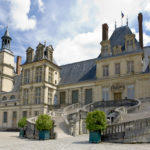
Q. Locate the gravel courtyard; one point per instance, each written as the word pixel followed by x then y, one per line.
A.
pixel 10 141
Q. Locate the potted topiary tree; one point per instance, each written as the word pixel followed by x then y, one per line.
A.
pixel 22 124
pixel 95 123
pixel 44 123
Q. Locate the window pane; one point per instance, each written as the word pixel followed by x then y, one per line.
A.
pixel 74 96
pixel 88 96
pixel 105 94
pixel 5 117
pixel 62 97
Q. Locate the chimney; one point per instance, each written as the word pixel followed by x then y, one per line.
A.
pixel 18 68
pixel 140 19
pixel 104 32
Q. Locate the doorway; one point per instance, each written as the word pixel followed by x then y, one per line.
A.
pixel 117 96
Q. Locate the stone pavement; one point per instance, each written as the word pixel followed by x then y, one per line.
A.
pixel 11 141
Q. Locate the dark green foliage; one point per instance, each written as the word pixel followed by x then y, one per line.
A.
pixel 96 121
pixel 22 122
pixel 44 122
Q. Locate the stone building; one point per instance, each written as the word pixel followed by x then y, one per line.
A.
pixel 122 70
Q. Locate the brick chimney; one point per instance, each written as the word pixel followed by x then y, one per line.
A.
pixel 18 68
pixel 140 20
pixel 104 32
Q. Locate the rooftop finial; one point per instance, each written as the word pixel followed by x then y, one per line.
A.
pixel 6 32
pixel 127 21
pixel 115 24
pixel 45 43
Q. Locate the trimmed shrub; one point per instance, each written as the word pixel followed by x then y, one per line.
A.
pixel 22 122
pixel 44 122
pixel 96 121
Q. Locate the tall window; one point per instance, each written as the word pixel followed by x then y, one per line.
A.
pixel 12 97
pixel 50 75
pixel 105 70
pixel 36 113
pixel 37 95
pixel 62 97
pixel 4 98
pixel 39 54
pixel 4 117
pixel 88 96
pixel 25 96
pixel 105 94
pixel 74 96
pixel 117 68
pixel 130 91
pixel 49 96
pixel 130 66
pixel 24 114
pixel 38 74
pixel 26 76
pixel 129 45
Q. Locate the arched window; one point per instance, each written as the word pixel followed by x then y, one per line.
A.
pixel 4 98
pixel 12 97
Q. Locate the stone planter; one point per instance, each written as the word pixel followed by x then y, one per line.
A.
pixel 95 137
pixel 44 135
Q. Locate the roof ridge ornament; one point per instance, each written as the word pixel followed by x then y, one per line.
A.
pixel 127 21
pixel 115 24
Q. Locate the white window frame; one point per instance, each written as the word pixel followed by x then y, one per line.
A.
pixel 130 91
pixel 105 94
pixel 105 71
pixel 37 95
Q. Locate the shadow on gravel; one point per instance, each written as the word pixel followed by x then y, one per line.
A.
pixel 81 142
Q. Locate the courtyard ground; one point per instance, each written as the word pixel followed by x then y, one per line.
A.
pixel 11 141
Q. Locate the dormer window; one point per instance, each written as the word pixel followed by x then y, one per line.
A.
pixel 40 52
pixel 30 55
pixel 117 50
pixel 129 45
pixel 130 42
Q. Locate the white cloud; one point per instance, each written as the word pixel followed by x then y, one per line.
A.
pixel 81 47
pixel 19 10
pixel 1 26
pixel 86 45
pixel 147 25
pixel 41 5
pixel 146 38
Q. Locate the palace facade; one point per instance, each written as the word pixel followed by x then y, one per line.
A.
pixel 122 70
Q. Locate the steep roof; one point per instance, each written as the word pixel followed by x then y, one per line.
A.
pixel 118 37
pixel 78 72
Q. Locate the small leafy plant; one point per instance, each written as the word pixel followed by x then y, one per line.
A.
pixel 44 122
pixel 22 122
pixel 96 121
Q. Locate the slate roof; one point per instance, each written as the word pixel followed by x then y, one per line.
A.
pixel 86 70
pixel 118 37
pixel 78 72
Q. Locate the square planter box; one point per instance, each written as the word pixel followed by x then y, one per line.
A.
pixel 22 133
pixel 94 137
pixel 44 135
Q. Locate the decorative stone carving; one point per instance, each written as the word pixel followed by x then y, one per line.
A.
pixel 118 87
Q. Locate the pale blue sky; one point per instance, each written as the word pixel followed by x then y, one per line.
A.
pixel 73 27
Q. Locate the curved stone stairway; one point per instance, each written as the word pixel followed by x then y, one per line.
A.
pixel 144 112
pixel 61 128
